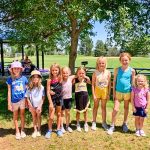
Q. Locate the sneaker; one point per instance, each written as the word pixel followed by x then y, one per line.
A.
pixel 137 133
pixel 142 133
pixel 63 130
pixel 23 135
pixel 59 133
pixel 48 134
pixel 34 134
pixel 125 127
pixel 78 128
pixel 105 126
pixel 38 133
pixel 111 130
pixel 86 127
pixel 68 129
pixel 18 136
pixel 93 126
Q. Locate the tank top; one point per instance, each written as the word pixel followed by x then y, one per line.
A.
pixel 102 78
pixel 123 80
pixel 80 86
pixel 67 89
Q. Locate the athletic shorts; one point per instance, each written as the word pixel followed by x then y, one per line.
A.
pixel 123 96
pixel 67 103
pixel 57 101
pixel 101 93
pixel 18 105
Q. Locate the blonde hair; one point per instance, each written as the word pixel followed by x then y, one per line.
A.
pixel 124 54
pixel 66 68
pixel 101 58
pixel 56 66
pixel 146 85
pixel 31 85
pixel 80 68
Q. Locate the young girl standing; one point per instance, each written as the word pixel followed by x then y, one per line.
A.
pixel 123 79
pixel 101 86
pixel 81 96
pixel 35 98
pixel 54 90
pixel 67 96
pixel 16 96
pixel 140 97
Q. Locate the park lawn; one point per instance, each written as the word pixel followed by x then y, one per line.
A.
pixel 136 62
pixel 93 140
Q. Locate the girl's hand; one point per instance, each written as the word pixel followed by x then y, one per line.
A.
pixel 114 96
pixel 134 110
pixel 10 107
pixel 94 98
pixel 51 105
pixel 51 92
pixel 31 108
pixel 39 109
pixel 108 97
pixel 146 110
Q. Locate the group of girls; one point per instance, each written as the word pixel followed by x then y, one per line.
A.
pixel 126 87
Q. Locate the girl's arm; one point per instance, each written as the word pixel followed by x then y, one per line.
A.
pixel 48 93
pixel 148 102
pixel 132 101
pixel 93 85
pixel 133 77
pixel 114 83
pixel 9 98
pixel 109 85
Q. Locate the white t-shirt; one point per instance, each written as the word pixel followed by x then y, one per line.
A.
pixel 35 95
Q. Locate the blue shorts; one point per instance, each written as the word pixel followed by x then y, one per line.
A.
pixel 140 112
pixel 67 103
pixel 57 101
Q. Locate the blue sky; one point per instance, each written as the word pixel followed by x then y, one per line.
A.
pixel 100 31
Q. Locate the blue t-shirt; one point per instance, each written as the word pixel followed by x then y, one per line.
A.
pixel 18 88
pixel 123 80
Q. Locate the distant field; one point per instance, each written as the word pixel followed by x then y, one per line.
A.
pixel 136 62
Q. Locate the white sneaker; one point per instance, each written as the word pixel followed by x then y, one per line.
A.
pixel 78 128
pixel 38 133
pixel 23 135
pixel 18 136
pixel 137 133
pixel 63 130
pixel 86 127
pixel 142 133
pixel 34 134
pixel 93 126
pixel 105 126
pixel 68 129
pixel 111 130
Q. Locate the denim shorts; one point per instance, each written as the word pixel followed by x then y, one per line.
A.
pixel 140 112
pixel 57 101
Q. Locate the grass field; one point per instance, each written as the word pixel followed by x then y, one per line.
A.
pixel 86 141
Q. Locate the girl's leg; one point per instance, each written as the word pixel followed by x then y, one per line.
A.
pixel 85 116
pixel 62 118
pixel 67 115
pixel 95 109
pixel 58 111
pixel 15 119
pixel 22 116
pixel 77 117
pixel 126 110
pixel 51 117
pixel 39 121
pixel 85 124
pixel 34 118
pixel 103 108
pixel 137 122
pixel 141 126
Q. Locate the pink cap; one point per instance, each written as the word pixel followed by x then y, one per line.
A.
pixel 16 64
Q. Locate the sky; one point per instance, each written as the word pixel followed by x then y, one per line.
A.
pixel 101 34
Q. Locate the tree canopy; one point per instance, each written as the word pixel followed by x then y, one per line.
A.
pixel 48 21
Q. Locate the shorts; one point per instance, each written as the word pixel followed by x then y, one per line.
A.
pixel 57 101
pixel 101 93
pixel 140 112
pixel 123 96
pixel 20 104
pixel 67 103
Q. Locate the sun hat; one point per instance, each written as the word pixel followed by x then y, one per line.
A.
pixel 35 72
pixel 16 64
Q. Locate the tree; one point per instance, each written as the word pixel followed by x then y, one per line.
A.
pixel 34 21
pixel 86 46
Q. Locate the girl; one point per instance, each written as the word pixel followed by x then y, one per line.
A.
pixel 35 98
pixel 101 87
pixel 67 97
pixel 140 97
pixel 81 96
pixel 54 89
pixel 123 78
pixel 16 96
